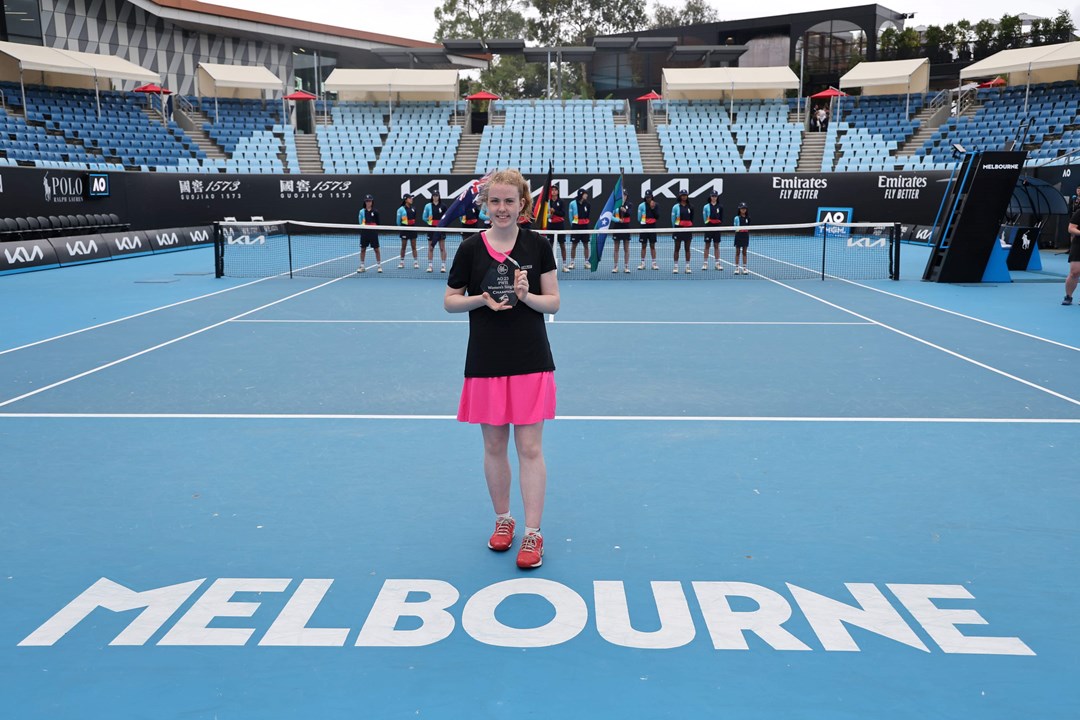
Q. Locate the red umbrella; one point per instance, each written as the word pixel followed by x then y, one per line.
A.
pixel 152 88
pixel 996 82
pixel 300 95
pixel 483 95
pixel 651 95
pixel 830 93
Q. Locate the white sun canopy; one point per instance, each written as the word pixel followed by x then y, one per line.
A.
pixel 1047 63
pixel 890 77
pixel 1023 66
pixel 67 68
pixel 735 82
pixel 236 81
pixel 393 84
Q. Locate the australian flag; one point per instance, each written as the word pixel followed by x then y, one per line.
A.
pixel 463 202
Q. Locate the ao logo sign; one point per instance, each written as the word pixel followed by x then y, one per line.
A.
pixel 830 217
pixel 99 185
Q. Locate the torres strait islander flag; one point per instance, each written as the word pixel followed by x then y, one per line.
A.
pixel 614 202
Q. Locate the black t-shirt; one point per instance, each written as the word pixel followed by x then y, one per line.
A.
pixel 507 342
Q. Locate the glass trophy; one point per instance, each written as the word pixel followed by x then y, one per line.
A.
pixel 499 282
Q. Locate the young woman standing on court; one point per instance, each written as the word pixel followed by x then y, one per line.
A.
pixel 406 217
pixel 648 215
pixel 509 369
pixel 579 220
pixel 621 221
pixel 742 238
pixel 433 213
pixel 368 215
pixel 682 215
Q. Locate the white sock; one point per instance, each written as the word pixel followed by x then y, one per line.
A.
pixel 503 516
pixel 534 531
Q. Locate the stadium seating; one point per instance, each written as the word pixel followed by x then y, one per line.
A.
pixel 697 138
pixel 421 140
pixel 78 129
pixel 998 119
pixel 578 136
pixel 869 131
pixel 74 128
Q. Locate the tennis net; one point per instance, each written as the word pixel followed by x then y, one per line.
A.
pixel 853 251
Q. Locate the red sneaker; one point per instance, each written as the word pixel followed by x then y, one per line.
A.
pixel 531 554
pixel 503 537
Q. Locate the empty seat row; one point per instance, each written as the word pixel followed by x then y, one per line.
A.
pixel 34 227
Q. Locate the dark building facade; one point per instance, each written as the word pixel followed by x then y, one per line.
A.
pixel 830 41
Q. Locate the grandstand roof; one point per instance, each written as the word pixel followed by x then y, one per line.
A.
pixel 351 46
pixel 889 76
pixel 172 9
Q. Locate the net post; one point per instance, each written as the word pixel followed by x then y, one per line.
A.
pixel 219 251
pixel 894 256
pixel 824 246
pixel 288 239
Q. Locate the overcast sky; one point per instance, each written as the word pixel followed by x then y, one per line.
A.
pixel 417 19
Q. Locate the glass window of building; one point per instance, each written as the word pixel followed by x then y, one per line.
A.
pixel 22 22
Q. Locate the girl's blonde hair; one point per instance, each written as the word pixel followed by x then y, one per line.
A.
pixel 514 178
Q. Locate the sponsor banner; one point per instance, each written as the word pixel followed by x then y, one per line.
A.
pixel 153 200
pixel 131 242
pixel 921 234
pixel 80 249
pixel 26 255
pixel 180 238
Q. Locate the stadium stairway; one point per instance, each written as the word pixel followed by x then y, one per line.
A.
pixel 467 152
pixel 926 130
pixel 307 153
pixel 199 120
pixel 812 152
pixel 652 156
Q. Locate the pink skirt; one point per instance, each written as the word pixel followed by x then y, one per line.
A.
pixel 513 399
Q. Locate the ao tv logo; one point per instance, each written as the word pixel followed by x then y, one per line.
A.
pixel 829 216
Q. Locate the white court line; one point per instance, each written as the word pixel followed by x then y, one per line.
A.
pixel 917 339
pixel 561 322
pixel 562 418
pixel 962 315
pixel 1006 328
pixel 131 317
pixel 164 344
pixel 166 307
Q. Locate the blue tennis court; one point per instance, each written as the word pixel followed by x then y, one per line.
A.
pixel 233 498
